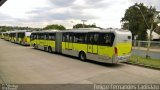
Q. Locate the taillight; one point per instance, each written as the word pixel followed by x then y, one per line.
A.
pixel 116 50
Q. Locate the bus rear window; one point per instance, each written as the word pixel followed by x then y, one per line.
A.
pixel 129 37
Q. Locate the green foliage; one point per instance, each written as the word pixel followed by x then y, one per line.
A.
pixel 84 26
pixel 134 21
pixel 10 28
pixel 55 26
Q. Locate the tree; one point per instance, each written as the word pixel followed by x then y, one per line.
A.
pixel 55 26
pixel 138 24
pixel 84 26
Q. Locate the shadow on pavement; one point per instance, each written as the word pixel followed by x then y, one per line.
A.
pixel 109 65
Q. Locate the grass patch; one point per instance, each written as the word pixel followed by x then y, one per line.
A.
pixel 145 61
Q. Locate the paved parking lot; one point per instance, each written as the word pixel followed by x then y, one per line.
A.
pixel 25 65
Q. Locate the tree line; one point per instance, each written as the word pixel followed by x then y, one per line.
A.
pixel 48 27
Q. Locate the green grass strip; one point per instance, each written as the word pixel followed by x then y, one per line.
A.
pixel 145 61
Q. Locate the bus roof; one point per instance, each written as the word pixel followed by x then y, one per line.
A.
pixel 82 30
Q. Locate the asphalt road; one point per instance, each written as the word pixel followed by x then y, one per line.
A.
pixel 25 65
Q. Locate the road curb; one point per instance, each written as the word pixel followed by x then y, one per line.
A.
pixel 143 65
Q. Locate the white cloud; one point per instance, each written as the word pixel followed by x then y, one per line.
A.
pixel 38 13
pixel 155 3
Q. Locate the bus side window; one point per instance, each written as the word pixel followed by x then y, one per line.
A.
pixel 39 36
pixel 107 39
pixel 51 36
pixel 90 38
pixel 64 37
pixel 42 36
pixel 67 37
pixel 34 36
pixel 71 37
pixel 93 38
pixel 96 39
pixel 47 36
pixel 80 38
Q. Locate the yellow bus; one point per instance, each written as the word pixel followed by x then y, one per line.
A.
pixel 12 36
pixel 44 40
pixel 18 36
pixel 5 35
pixel 23 37
pixel 109 45
pixel 1 35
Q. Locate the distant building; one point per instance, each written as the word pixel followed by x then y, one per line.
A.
pixel 155 36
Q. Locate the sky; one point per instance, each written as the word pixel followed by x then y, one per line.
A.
pixel 39 13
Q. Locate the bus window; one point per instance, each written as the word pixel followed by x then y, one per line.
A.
pixel 67 37
pixel 107 39
pixel 46 36
pixel 70 38
pixel 93 38
pixel 39 36
pixel 51 36
pixel 35 36
pixel 21 35
pixel 129 37
pixel 32 37
pixel 42 36
pixel 80 38
pixel 64 37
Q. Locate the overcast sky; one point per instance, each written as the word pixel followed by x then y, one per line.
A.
pixel 39 13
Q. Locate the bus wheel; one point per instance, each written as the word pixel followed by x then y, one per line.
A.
pixel 82 56
pixel 49 49
pixel 34 45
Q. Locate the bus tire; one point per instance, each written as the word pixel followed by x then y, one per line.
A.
pixel 82 56
pixel 34 45
pixel 49 49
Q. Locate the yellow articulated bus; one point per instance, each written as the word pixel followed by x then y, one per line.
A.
pixel 44 40
pixel 110 45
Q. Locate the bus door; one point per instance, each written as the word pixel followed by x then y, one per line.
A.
pixel 70 45
pixel 41 41
pixel 93 43
pixel 46 39
pixel 66 41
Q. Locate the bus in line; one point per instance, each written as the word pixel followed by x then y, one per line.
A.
pixel 1 35
pixel 23 37
pixel 5 36
pixel 17 36
pixel 109 46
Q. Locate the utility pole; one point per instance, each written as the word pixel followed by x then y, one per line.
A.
pixel 83 20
